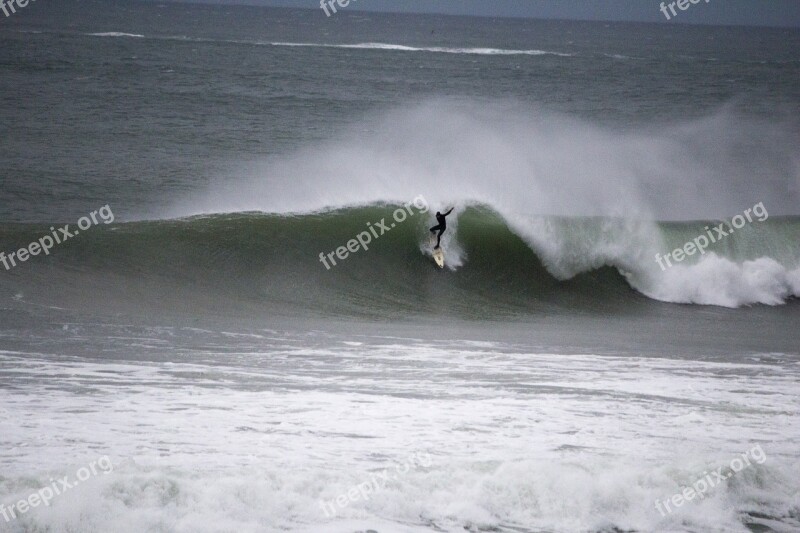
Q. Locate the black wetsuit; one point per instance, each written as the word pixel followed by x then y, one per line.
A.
pixel 441 226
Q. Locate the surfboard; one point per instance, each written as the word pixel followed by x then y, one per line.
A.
pixel 438 256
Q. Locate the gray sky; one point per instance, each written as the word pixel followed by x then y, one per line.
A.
pixel 741 12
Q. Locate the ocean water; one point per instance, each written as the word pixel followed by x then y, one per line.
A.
pixel 192 360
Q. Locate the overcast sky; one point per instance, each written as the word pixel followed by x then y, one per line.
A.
pixel 741 12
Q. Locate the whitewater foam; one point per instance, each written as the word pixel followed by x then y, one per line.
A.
pixel 116 34
pixel 716 280
pixel 434 49
pixel 232 445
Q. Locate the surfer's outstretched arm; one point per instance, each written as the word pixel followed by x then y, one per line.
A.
pixel 451 210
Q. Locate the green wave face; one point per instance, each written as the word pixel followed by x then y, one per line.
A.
pixel 270 264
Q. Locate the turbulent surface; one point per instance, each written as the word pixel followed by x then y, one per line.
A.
pixel 220 431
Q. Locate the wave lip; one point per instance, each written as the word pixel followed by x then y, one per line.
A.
pixel 430 49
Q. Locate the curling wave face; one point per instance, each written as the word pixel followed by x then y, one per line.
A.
pixel 271 263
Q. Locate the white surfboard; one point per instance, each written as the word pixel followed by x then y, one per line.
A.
pixel 438 256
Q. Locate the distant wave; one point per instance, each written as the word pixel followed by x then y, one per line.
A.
pixel 620 56
pixel 356 46
pixel 434 49
pixel 116 34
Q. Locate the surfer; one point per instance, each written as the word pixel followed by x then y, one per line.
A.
pixel 441 226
